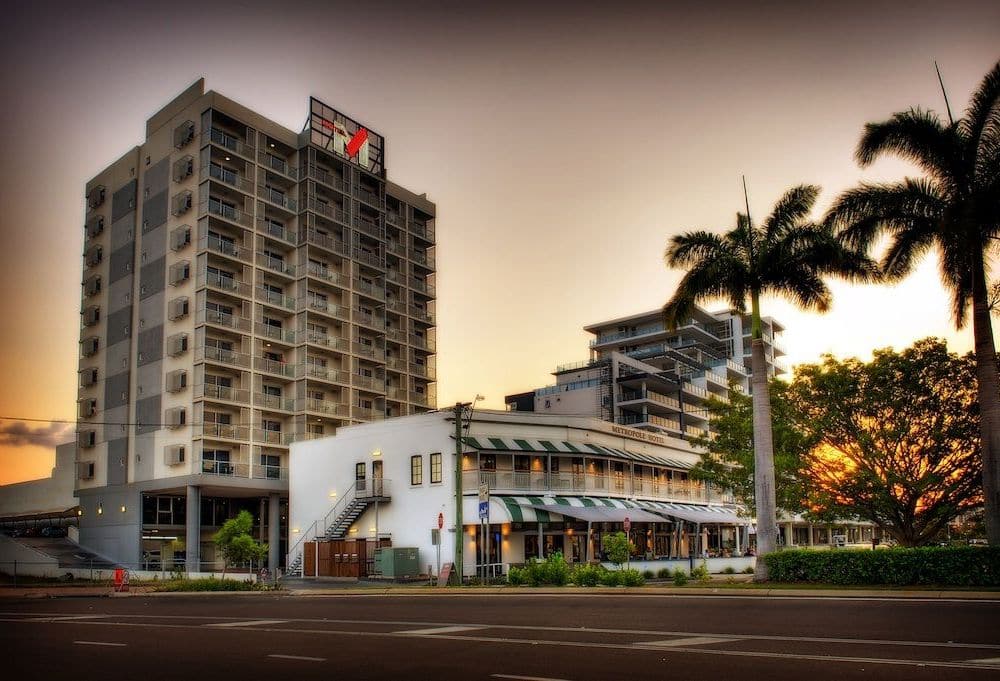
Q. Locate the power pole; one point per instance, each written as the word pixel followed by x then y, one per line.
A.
pixel 459 534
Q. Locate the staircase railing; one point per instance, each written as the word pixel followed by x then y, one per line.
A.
pixel 365 488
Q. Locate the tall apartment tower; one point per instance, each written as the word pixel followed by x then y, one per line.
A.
pixel 642 375
pixel 244 286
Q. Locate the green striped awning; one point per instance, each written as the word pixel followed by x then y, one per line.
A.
pixel 527 445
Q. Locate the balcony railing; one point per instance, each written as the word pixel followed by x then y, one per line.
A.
pixel 226 211
pixel 422 230
pixel 423 370
pixel 272 437
pixel 277 198
pixel 223 246
pixel 369 226
pixel 421 399
pixel 370 351
pixel 422 286
pixel 276 264
pixel 327 178
pixel 277 333
pixel 275 298
pixel 224 283
pixel 221 356
pixel 278 165
pixel 225 393
pixel 422 343
pixel 368 196
pixel 396 364
pixel 228 177
pixel 326 241
pixel 324 274
pixel 323 373
pixel 228 141
pixel 425 259
pixel 369 320
pixel 328 210
pixel 326 307
pixel 276 231
pixel 370 383
pixel 583 483
pixel 327 407
pixel 328 341
pixel 273 366
pixel 223 319
pixel 276 402
pixel 421 313
pixel 225 431
pixel 224 468
pixel 369 289
pixel 270 473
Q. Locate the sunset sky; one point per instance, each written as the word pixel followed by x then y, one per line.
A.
pixel 563 147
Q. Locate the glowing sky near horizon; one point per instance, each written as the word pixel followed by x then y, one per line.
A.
pixel 563 146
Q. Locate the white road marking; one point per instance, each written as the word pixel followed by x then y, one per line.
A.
pixel 693 641
pixel 524 678
pixel 64 618
pixel 100 643
pixel 438 630
pixel 987 660
pixel 299 657
pixel 249 623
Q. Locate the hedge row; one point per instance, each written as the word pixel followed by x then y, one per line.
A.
pixel 934 566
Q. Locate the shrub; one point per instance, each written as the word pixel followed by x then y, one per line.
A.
pixel 680 577
pixel 748 570
pixel 648 574
pixel 664 573
pixel 937 566
pixel 631 577
pixel 516 576
pixel 729 570
pixel 618 547
pixel 553 570
pixel 210 584
pixel 588 575
pixel 700 573
pixel 611 577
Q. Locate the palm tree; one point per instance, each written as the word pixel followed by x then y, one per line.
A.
pixel 954 208
pixel 786 256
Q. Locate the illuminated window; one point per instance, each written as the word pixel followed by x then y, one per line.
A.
pixel 435 467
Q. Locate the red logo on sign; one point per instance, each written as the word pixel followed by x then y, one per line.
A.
pixel 440 520
pixel 360 137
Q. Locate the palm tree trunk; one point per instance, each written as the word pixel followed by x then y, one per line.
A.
pixel 989 399
pixel 763 447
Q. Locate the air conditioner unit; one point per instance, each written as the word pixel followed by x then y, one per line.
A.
pixel 94 256
pixel 92 286
pixel 183 168
pixel 86 438
pixel 87 408
pixel 95 197
pixel 84 470
pixel 173 455
pixel 182 203
pixel 90 346
pixel 183 134
pixel 88 377
pixel 180 272
pixel 176 381
pixel 95 226
pixel 91 315
pixel 178 308
pixel 175 417
pixel 180 237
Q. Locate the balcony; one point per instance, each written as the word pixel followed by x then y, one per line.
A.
pixel 369 351
pixel 639 420
pixel 328 210
pixel 275 333
pixel 228 177
pixel 273 437
pixel 663 489
pixel 323 240
pixel 397 394
pixel 366 414
pixel 422 343
pixel 223 393
pixel 277 165
pixel 224 210
pixel 324 274
pixel 223 319
pixel 396 334
pixel 273 402
pixel 276 231
pixel 369 226
pixel 395 219
pixel 276 299
pixel 396 364
pixel 370 320
pixel 323 373
pixel 423 230
pixel 368 196
pixel 421 399
pixel 369 383
pixel 263 472
pixel 327 341
pixel 369 289
pixel 221 356
pixel 327 178
pixel 224 431
pixel 368 258
pixel 277 198
pixel 396 248
pixel 226 469
pixel 327 407
pixel 277 265
pixel 422 314
pixel 228 141
pixel 222 282
pixel 421 286
pixel 326 307
pixel 422 258
pixel 273 366
pixel 423 371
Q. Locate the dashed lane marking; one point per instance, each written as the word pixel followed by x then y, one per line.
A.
pixel 524 678
pixel 248 623
pixel 693 641
pixel 100 643
pixel 64 618
pixel 437 630
pixel 302 658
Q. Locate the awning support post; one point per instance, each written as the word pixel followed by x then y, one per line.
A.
pixel 540 540
pixel 586 548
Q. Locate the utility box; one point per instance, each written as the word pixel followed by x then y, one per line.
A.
pixel 396 562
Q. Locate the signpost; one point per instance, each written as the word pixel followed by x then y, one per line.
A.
pixel 484 521
pixel 628 542
pixel 436 540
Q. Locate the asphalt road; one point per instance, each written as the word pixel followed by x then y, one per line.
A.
pixel 524 636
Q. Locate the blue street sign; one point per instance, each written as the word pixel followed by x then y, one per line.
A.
pixel 484 510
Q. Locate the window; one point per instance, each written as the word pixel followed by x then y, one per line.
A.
pixel 416 470
pixel 272 466
pixel 435 467
pixel 359 471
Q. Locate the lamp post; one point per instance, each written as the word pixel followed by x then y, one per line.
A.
pixel 459 410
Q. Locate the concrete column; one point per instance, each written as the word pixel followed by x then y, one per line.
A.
pixel 829 535
pixel 790 531
pixel 812 539
pixel 736 532
pixel 273 532
pixel 192 534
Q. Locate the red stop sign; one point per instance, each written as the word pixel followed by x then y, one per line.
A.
pixel 628 523
pixel 440 520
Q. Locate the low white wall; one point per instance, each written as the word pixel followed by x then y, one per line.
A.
pixel 715 565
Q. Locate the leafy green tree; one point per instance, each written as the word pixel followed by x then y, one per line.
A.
pixel 894 441
pixel 235 544
pixel 618 548
pixel 897 438
pixel 787 255
pixel 727 459
pixel 955 209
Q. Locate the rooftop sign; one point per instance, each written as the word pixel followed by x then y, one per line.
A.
pixel 335 132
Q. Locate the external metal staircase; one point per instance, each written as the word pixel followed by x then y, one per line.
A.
pixel 337 522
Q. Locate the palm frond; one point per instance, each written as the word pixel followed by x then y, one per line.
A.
pixel 692 247
pixel 918 136
pixel 981 124
pixel 710 279
pixel 861 215
pixel 791 209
